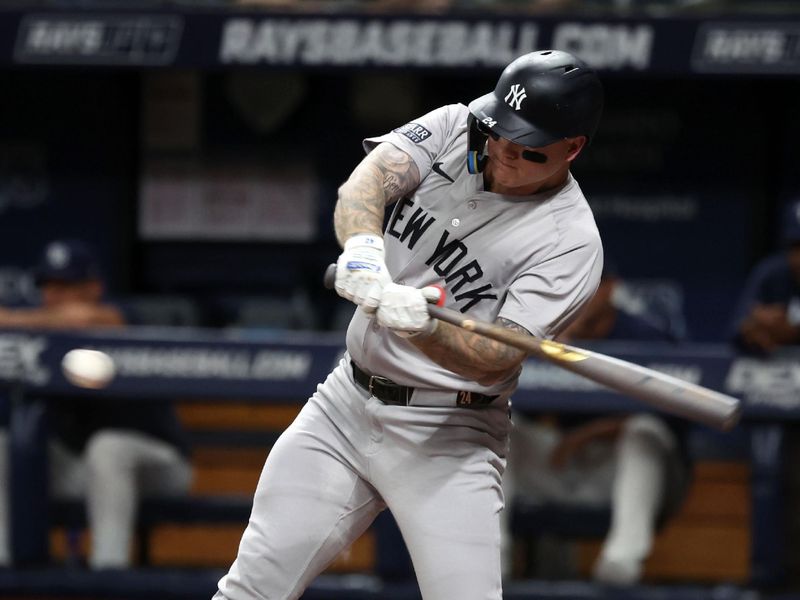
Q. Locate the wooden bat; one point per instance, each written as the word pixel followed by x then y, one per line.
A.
pixel 664 392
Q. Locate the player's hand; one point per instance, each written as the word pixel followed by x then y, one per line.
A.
pixel 774 319
pixel 361 271
pixel 766 328
pixel 404 309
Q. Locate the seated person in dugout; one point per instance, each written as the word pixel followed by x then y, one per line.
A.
pixel 634 463
pixel 768 311
pixel 109 452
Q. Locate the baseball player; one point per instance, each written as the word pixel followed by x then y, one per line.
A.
pixel 767 316
pixel 415 418
pixel 637 464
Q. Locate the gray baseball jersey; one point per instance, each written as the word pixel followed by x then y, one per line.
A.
pixel 534 260
pixel 437 466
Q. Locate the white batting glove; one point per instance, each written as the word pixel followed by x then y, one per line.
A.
pixel 361 271
pixel 404 309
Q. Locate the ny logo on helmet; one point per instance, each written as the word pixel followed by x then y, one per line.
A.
pixel 515 96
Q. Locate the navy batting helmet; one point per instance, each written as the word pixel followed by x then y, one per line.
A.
pixel 68 261
pixel 540 98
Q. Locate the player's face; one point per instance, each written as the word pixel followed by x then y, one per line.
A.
pixel 59 293
pixel 510 170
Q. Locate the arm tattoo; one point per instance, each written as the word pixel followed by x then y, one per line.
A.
pixel 472 355
pixel 384 176
pixel 511 325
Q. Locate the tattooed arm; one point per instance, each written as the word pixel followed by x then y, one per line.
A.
pixel 472 355
pixel 384 176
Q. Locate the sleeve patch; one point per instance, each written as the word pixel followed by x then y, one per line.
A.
pixel 413 131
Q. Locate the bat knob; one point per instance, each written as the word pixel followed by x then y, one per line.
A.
pixel 329 278
pixel 440 298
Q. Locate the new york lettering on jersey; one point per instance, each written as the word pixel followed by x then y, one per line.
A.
pixel 450 257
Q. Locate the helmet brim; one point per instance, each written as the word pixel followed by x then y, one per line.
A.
pixel 509 125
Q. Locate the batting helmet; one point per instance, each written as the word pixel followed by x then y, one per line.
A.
pixel 540 98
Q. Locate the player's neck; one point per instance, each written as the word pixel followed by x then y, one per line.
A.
pixel 558 179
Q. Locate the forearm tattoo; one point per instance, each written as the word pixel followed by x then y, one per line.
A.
pixel 384 176
pixel 472 355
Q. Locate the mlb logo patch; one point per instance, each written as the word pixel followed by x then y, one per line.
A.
pixel 414 131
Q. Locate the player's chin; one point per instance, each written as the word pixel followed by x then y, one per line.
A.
pixel 510 179
pixel 499 165
pixel 502 174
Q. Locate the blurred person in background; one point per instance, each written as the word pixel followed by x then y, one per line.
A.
pixel 768 311
pixel 108 451
pixel 634 463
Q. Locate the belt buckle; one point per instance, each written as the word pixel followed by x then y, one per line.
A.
pixel 388 385
pixel 379 379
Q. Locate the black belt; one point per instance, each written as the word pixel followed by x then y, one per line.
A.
pixel 389 392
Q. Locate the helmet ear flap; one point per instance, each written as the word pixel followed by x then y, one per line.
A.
pixel 476 144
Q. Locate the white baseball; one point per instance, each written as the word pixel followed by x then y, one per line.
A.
pixel 88 368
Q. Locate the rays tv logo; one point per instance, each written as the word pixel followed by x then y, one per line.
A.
pixel 122 39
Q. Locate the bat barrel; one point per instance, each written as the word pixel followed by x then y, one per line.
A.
pixel 662 391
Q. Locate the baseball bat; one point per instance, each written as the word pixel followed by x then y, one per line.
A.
pixel 661 391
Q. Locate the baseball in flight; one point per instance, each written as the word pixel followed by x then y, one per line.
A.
pixel 88 368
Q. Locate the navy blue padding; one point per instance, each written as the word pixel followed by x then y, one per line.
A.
pixel 392 561
pixel 200 584
pixel 215 438
pixel 152 511
pixel 584 590
pixel 176 584
pixel 194 509
pixel 704 443
pixel 565 521
pixel 28 484
pixel 111 584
